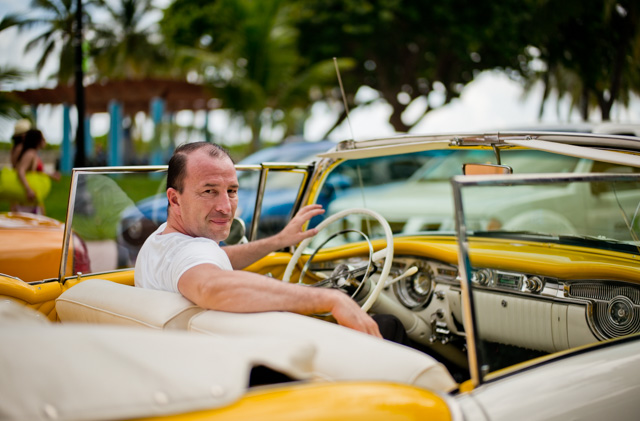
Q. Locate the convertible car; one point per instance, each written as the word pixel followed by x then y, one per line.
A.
pixel 526 305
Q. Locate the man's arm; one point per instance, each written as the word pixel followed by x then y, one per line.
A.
pixel 213 288
pixel 242 255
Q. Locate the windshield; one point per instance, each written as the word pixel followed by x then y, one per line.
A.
pixel 419 199
pixel 113 211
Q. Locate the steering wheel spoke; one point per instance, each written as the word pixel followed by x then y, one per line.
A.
pixel 345 277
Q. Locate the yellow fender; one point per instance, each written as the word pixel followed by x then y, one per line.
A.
pixel 11 190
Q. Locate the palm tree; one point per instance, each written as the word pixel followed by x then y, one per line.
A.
pixel 122 47
pixel 57 18
pixel 10 106
pixel 247 50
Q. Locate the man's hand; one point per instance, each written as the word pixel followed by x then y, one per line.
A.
pixel 349 314
pixel 293 233
pixel 242 255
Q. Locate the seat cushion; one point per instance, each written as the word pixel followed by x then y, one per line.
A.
pixel 341 353
pixel 102 301
pixel 77 371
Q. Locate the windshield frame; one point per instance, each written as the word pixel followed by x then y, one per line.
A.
pixel 476 359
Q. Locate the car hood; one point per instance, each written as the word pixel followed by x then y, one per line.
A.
pixel 18 220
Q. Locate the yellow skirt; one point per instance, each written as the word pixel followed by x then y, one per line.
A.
pixel 11 190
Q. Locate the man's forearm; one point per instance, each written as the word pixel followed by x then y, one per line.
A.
pixel 243 255
pixel 245 292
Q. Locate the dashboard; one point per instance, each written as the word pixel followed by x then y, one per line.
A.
pixel 526 310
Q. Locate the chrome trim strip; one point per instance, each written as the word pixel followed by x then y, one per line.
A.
pixel 350 149
pixel 465 274
pixel 257 210
pixel 67 225
pixel 579 151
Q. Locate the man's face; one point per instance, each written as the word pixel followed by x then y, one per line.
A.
pixel 209 197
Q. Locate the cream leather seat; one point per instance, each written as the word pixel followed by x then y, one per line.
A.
pixel 101 301
pixel 339 353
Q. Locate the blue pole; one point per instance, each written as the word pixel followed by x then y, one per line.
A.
pixel 65 151
pixel 88 139
pixel 157 112
pixel 114 154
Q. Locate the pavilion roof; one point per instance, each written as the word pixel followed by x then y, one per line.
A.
pixel 134 95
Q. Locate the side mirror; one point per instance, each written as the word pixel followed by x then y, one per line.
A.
pixel 484 169
pixel 236 233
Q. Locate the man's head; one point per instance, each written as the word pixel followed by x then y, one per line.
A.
pixel 178 162
pixel 202 190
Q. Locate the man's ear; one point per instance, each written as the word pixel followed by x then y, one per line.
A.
pixel 174 199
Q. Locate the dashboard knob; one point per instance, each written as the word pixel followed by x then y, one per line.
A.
pixel 534 284
pixel 483 277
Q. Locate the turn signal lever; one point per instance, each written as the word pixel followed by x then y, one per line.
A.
pixel 411 271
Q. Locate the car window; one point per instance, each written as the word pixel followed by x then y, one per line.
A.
pixel 516 312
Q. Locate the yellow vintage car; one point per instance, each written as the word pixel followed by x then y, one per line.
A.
pixel 31 247
pixel 521 296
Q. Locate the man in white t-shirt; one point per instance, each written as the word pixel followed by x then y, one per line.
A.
pixel 183 255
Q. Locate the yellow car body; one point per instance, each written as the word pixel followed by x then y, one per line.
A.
pixel 31 247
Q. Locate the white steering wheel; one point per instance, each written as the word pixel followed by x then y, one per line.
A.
pixel 387 252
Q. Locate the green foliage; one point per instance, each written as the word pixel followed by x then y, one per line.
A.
pixel 268 61
pixel 247 50
pixel 407 49
pixel 11 108
pixel 56 19
pixel 591 51
pixel 121 47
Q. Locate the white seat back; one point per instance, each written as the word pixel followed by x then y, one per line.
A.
pixel 101 301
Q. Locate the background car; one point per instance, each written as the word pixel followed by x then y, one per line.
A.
pixel 429 190
pixel 31 250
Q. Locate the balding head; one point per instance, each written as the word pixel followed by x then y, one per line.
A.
pixel 178 163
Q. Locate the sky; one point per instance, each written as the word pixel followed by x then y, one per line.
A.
pixel 491 102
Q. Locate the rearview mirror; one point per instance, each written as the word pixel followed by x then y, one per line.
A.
pixel 484 169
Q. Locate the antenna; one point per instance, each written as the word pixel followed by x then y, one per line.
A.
pixel 344 97
pixel 346 108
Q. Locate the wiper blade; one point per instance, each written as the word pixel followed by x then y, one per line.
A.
pixel 598 238
pixel 600 242
pixel 503 234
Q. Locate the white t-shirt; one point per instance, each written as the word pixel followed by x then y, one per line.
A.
pixel 163 258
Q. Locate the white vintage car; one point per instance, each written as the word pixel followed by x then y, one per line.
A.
pixel 534 319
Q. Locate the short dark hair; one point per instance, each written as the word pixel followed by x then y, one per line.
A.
pixel 31 140
pixel 178 162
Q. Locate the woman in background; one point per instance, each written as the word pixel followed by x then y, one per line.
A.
pixel 28 160
pixel 21 128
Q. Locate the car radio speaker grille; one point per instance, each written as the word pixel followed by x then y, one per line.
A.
pixel 616 308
